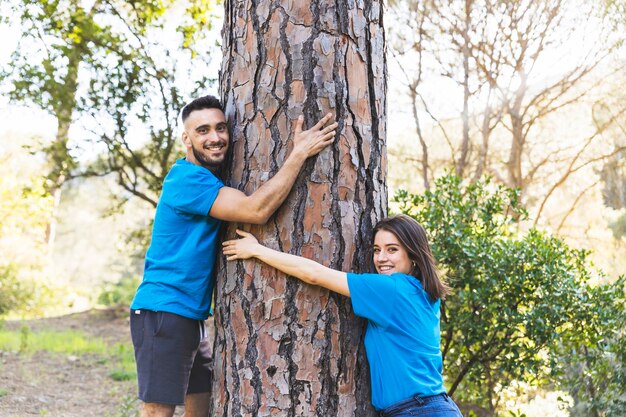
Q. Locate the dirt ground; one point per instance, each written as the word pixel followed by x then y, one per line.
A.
pixel 55 385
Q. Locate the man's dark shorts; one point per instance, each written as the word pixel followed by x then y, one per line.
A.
pixel 172 354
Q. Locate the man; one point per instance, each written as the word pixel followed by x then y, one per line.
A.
pixel 174 298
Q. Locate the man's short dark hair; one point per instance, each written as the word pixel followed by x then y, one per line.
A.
pixel 201 103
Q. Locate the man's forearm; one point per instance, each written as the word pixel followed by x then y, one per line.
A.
pixel 233 205
pixel 271 194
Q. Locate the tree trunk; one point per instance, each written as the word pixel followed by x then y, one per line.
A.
pixel 282 347
pixel 461 163
pixel 63 108
pixel 59 156
pixel 514 163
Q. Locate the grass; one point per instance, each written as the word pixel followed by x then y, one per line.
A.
pixel 69 342
pixel 119 357
pixel 129 407
pixel 124 362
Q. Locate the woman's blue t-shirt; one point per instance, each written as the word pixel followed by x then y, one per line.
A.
pixel 178 273
pixel 402 338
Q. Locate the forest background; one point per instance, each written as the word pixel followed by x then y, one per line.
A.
pixel 506 138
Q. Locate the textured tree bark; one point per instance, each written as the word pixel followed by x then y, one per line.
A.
pixel 282 347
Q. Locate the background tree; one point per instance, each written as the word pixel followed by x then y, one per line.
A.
pixel 139 84
pixel 613 171
pixel 63 33
pixel 101 69
pixel 509 70
pixel 24 210
pixel 283 347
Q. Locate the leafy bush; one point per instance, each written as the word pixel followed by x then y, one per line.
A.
pixel 119 293
pixel 14 293
pixel 519 298
pixel 593 366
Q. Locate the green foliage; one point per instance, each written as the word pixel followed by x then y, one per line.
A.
pixel 24 202
pixel 68 342
pixel 120 375
pixel 517 298
pixel 119 293
pixel 199 20
pixel 128 408
pixel 109 52
pixel 24 338
pixel 124 368
pixel 593 363
pixel 15 294
pixel 119 72
pixel 25 207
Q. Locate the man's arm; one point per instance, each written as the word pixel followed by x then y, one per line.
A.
pixel 233 205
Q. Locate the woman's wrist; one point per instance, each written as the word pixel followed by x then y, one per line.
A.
pixel 257 250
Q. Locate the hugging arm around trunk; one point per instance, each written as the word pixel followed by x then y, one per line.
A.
pixel 234 205
pixel 302 268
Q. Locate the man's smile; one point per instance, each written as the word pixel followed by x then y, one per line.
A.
pixel 215 147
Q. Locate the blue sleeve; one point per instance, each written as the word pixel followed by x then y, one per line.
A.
pixel 373 297
pixel 191 191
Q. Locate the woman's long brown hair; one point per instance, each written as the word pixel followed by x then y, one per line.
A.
pixel 413 238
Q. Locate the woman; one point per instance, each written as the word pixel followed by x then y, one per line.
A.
pixel 401 303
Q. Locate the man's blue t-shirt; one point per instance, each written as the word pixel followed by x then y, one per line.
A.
pixel 178 273
pixel 402 338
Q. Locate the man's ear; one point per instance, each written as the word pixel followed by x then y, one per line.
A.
pixel 186 140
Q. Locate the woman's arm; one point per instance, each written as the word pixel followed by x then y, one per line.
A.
pixel 302 268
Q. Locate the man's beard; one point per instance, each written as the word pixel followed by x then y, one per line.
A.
pixel 211 164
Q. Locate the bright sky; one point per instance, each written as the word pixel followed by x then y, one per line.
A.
pixel 28 121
